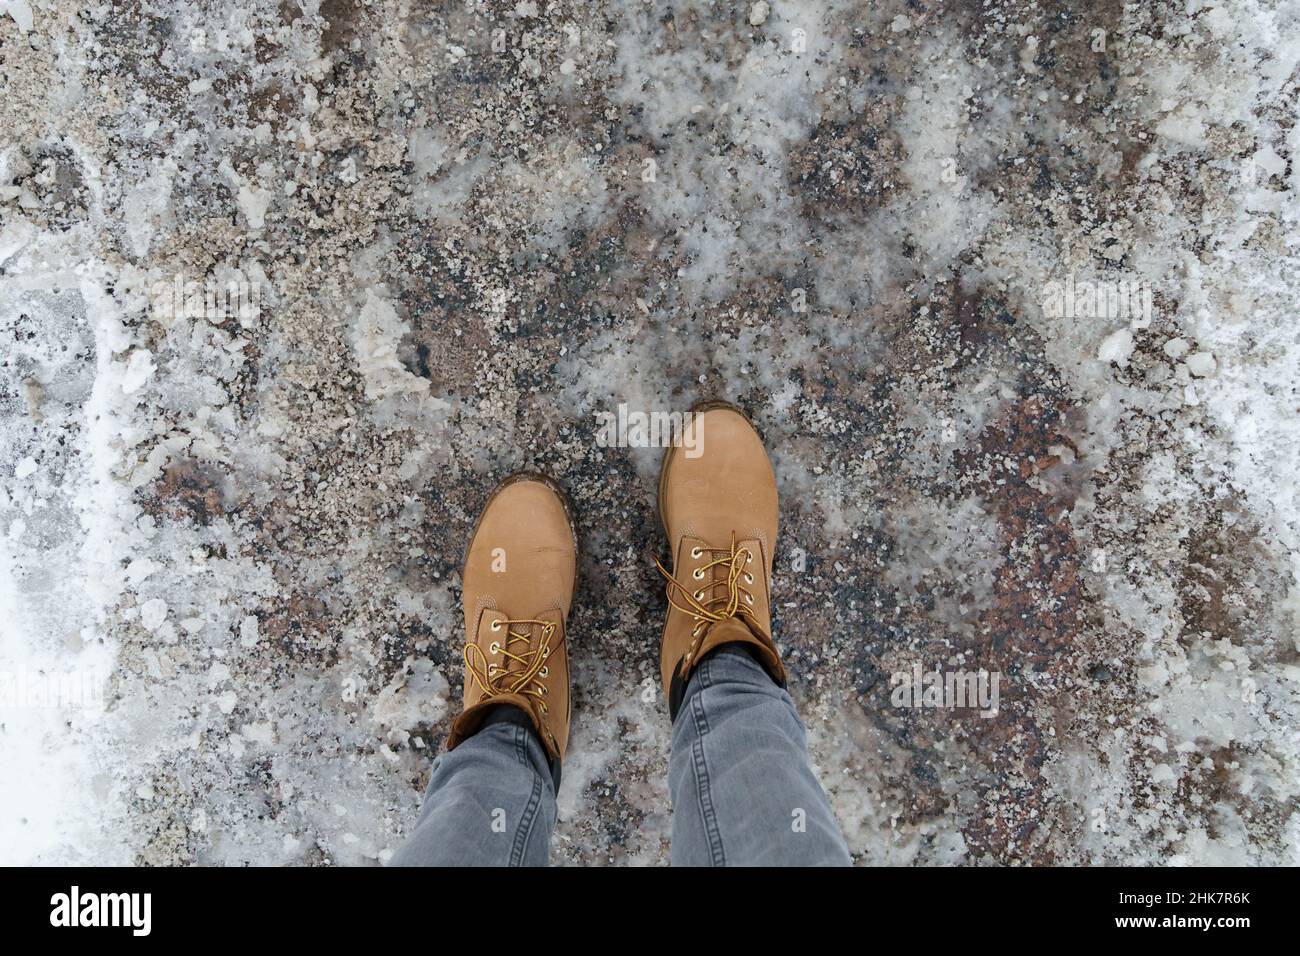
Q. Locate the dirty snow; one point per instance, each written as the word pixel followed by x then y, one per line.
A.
pixel 420 247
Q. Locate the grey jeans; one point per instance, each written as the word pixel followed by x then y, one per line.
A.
pixel 742 789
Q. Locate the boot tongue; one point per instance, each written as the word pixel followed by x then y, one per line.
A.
pixel 520 648
pixel 529 649
pixel 732 629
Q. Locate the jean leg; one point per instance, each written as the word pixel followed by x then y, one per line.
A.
pixel 743 790
pixel 490 802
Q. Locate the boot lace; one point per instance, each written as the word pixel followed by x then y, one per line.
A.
pixel 707 605
pixel 522 669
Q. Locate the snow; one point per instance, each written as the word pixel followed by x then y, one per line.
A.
pixel 139 369
pixel 20 11
pixel 1116 347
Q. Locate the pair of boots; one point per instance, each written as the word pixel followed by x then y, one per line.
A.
pixel 719 511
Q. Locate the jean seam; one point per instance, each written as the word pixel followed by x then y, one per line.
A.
pixel 703 789
pixel 529 817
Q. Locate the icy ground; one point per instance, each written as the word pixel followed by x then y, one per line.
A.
pixel 230 540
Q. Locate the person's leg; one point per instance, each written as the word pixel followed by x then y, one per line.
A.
pixel 490 802
pixel 491 797
pixel 743 791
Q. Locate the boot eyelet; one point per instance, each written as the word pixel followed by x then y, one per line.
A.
pixel 492 669
pixel 698 574
pixel 541 689
pixel 695 552
pixel 749 578
pixel 749 599
pixel 544 672
pixel 543 708
pixel 496 625
pixel 494 648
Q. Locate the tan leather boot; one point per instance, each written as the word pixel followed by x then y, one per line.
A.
pixel 517 587
pixel 720 514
